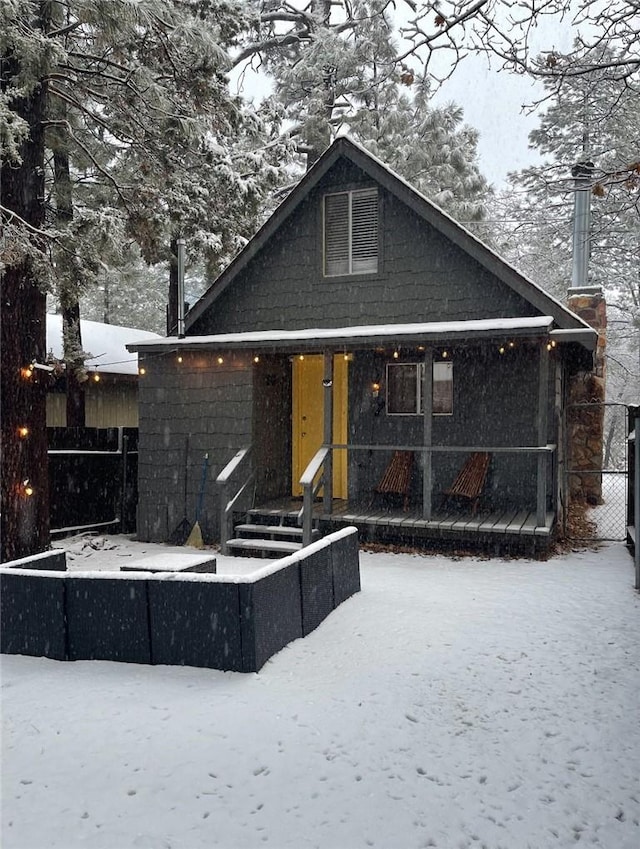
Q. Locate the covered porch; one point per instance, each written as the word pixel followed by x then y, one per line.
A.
pixel 494 530
pixel 437 392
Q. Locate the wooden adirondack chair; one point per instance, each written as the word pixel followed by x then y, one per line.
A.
pixel 396 479
pixel 470 480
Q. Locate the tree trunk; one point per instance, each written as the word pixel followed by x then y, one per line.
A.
pixel 68 292
pixel 24 528
pixel 74 370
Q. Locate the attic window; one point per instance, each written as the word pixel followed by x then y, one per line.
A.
pixel 351 232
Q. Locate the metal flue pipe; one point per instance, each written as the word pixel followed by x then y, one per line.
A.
pixel 582 173
pixel 180 293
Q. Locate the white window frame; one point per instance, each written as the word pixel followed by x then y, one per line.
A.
pixel 442 367
pixel 438 369
pixel 369 222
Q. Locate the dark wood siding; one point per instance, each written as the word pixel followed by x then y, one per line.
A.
pixel 422 276
pixel 186 410
pixel 272 426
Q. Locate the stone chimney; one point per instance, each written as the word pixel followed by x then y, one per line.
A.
pixel 585 419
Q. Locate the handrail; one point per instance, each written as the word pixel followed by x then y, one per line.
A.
pixel 232 465
pixel 452 449
pixel 309 490
pixel 314 466
pixel 226 501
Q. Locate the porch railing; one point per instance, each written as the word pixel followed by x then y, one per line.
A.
pixel 316 475
pixel 229 497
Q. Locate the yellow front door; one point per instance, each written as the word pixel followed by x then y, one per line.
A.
pixel 308 418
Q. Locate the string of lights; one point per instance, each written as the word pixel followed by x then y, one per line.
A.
pixel 27 373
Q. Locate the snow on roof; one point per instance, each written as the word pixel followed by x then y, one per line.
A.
pixel 105 344
pixel 425 330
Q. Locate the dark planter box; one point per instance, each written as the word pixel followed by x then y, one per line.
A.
pixel 271 613
pixel 195 623
pixel 316 585
pixel 174 619
pixel 32 615
pixel 107 619
pixel 346 569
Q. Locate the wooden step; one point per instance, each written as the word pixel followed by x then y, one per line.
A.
pixel 269 516
pixel 272 531
pixel 266 546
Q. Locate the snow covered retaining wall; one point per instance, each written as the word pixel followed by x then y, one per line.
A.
pixel 191 619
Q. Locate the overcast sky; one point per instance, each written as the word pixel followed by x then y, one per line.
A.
pixel 494 102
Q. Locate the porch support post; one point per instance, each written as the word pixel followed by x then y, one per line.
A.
pixel 327 383
pixel 636 495
pixel 427 405
pixel 543 414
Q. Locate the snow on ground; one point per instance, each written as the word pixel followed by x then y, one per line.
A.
pixel 102 552
pixel 452 704
pixel 610 517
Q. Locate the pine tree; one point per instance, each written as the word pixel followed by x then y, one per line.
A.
pixel 592 118
pixel 117 126
pixel 25 505
pixel 336 67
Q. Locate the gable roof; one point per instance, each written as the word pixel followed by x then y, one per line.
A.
pixel 419 204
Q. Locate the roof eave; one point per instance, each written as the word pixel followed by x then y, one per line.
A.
pixel 586 336
pixel 340 341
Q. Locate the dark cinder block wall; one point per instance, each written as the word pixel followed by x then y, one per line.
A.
pixel 188 409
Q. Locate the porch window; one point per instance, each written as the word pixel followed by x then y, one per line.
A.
pixel 351 232
pixel 404 389
pixel 442 389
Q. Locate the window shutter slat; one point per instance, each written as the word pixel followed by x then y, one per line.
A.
pixel 336 234
pixel 364 227
pixel 351 232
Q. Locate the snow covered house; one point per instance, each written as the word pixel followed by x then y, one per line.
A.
pixel 365 342
pixel 112 387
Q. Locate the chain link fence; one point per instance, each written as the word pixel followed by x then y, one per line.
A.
pixel 604 516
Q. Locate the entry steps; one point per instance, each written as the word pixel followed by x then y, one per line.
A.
pixel 262 540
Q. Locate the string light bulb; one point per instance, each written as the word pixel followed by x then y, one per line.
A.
pixel 179 359
pixel 96 377
pixel 301 357
pixel 396 354
pixel 23 431
pixel 27 372
pixel 445 354
pixel 142 370
pixel 220 360
pixel 27 488
pixel 256 359
pixel 501 349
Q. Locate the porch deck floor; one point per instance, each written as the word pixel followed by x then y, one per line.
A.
pixel 507 522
